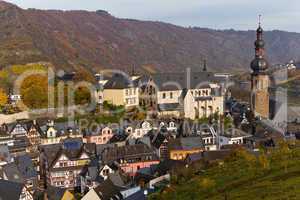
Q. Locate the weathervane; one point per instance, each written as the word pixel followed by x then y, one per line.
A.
pixel 259 20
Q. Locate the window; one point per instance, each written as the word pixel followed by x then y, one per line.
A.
pixel 29 183
pixel 171 95
pixel 175 156
pixel 164 95
pixel 172 124
pixel 126 92
pixel 180 156
pixel 105 172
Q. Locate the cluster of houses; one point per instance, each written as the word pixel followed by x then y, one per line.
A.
pixel 46 159
pixel 189 95
pixel 51 160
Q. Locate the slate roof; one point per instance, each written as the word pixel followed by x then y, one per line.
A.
pixel 144 140
pixel 55 193
pixel 127 152
pixel 108 191
pixel 26 167
pixel 118 179
pixel 169 107
pixel 13 173
pixel 186 143
pixel 209 155
pixel 32 124
pixel 13 125
pixel 157 140
pixel 67 76
pixel 101 147
pixel 137 196
pixel 140 195
pixel 61 128
pixel 118 138
pixel 10 190
pixel 91 170
pixel 119 81
pixel 167 165
pixel 49 152
pixel 184 81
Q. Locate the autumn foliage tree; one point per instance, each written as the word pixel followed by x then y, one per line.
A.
pixel 82 96
pixel 3 97
pixel 34 91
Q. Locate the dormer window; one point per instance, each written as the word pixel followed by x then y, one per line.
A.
pixel 172 124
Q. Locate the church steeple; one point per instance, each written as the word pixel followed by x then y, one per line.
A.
pixel 259 78
pixel 259 64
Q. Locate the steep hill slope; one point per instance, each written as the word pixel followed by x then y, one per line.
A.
pixel 97 40
pixel 241 176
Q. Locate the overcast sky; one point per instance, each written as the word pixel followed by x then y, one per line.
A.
pixel 218 14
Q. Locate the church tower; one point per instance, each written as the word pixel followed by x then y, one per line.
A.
pixel 260 78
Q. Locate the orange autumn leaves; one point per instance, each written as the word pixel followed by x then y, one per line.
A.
pixel 34 91
pixel 3 98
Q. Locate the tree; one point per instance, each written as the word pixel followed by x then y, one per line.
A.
pixel 3 98
pixel 228 122
pixel 34 91
pixel 82 96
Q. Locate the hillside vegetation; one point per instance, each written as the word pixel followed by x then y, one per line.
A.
pixel 270 176
pixel 77 40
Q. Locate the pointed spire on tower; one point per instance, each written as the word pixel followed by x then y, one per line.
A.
pixel 204 66
pixel 259 64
